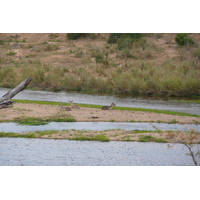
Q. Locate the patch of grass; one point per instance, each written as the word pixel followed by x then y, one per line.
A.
pixel 11 53
pixel 173 121
pixel 51 47
pixel 149 138
pixel 30 121
pixel 41 133
pixel 16 135
pixel 99 137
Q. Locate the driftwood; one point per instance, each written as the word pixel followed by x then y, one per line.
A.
pixel 5 101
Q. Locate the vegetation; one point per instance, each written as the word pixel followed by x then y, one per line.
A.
pixel 31 121
pixel 189 141
pixel 149 138
pixel 123 63
pixel 99 137
pixel 115 108
pixel 182 39
pixel 74 36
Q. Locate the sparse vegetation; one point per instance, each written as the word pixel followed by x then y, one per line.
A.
pixel 11 53
pixel 189 140
pixel 31 121
pixel 99 137
pixel 149 138
pixel 74 36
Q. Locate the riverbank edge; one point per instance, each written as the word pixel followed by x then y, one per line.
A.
pixel 100 106
pixel 158 136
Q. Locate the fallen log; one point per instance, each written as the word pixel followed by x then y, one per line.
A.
pixel 5 100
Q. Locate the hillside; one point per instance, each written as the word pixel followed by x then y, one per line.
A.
pixel 154 65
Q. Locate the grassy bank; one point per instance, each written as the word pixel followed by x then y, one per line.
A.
pixel 116 108
pixel 112 135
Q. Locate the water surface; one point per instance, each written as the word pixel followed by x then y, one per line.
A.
pixel 96 126
pixel 46 152
pixel 170 105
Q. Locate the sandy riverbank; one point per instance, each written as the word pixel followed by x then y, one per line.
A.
pixel 89 114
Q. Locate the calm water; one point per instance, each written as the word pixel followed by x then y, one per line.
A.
pixel 191 108
pixel 96 126
pixel 46 152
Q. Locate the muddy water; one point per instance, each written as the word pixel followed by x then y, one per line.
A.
pixel 40 152
pixel 96 126
pixel 170 105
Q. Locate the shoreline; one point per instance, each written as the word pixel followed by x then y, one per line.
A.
pixel 112 135
pixel 88 114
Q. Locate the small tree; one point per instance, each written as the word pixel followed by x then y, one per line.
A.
pixel 189 141
pixel 182 39
pixel 74 36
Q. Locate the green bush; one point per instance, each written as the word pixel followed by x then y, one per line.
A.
pixel 182 39
pixel 113 38
pixel 74 36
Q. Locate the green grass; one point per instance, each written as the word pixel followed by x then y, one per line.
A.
pixel 31 121
pixel 149 138
pixel 15 135
pixel 11 53
pixel 99 137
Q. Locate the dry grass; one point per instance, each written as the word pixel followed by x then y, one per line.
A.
pixel 152 66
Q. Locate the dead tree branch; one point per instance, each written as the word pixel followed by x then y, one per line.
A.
pixel 5 100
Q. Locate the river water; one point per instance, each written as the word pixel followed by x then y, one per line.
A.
pixel 46 152
pixel 96 126
pixel 49 152
pixel 170 105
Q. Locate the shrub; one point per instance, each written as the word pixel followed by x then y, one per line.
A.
pixel 11 53
pixel 113 38
pixel 51 47
pixel 197 53
pixel 182 39
pixel 74 36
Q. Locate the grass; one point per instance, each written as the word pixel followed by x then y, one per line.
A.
pixel 134 69
pixel 99 137
pixel 31 121
pixel 16 135
pixel 149 138
pixel 11 53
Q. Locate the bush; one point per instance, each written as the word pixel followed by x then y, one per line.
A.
pixel 51 47
pixel 182 39
pixel 74 36
pixel 113 38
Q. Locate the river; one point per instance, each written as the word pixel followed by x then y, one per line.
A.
pixel 46 152
pixel 49 152
pixel 170 105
